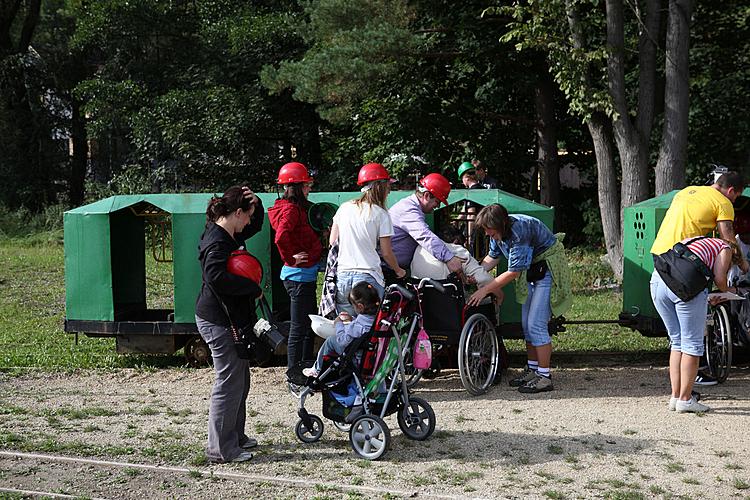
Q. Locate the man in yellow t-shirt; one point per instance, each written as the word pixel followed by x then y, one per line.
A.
pixel 697 210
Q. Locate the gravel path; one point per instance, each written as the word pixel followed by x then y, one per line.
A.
pixel 602 433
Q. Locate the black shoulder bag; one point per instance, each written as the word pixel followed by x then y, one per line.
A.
pixel 243 338
pixel 683 271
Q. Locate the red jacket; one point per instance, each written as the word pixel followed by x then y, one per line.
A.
pixel 293 233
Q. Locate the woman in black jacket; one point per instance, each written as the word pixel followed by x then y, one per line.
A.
pixel 230 220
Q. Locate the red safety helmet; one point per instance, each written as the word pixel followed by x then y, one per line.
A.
pixel 293 173
pixel 243 264
pixel 741 223
pixel 437 185
pixel 372 172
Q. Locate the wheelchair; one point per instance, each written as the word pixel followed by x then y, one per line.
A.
pixel 727 328
pixel 468 335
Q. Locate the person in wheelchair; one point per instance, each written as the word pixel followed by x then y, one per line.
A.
pixel 426 265
pixel 365 300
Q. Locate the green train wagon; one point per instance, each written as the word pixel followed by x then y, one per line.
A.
pixel 106 245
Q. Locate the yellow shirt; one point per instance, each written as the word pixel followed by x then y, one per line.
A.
pixel 694 212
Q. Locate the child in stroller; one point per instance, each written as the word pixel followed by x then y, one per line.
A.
pixel 371 370
pixel 365 300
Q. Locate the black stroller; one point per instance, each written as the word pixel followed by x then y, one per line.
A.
pixel 372 370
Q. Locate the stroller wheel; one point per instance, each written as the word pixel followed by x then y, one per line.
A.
pixel 312 434
pixel 342 426
pixel 417 420
pixel 369 437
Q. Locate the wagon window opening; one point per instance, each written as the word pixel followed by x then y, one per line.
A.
pixel 159 258
pixel 142 272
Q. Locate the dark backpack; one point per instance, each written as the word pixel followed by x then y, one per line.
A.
pixel 683 271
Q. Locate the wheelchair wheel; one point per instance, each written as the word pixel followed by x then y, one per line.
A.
pixel 312 434
pixel 477 354
pixel 718 343
pixel 369 437
pixel 417 420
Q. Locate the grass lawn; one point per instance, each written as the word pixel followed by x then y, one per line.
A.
pixel 32 310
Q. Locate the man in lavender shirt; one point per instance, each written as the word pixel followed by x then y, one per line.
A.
pixel 411 230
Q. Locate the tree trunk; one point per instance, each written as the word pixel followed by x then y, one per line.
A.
pixel 631 144
pixel 79 159
pixel 670 169
pixel 546 131
pixel 600 129
pixel 609 200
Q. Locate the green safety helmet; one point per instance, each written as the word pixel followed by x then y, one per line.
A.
pixel 465 167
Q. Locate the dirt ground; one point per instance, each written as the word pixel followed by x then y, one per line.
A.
pixel 602 433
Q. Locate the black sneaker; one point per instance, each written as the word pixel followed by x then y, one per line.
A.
pixel 537 384
pixel 704 379
pixel 526 376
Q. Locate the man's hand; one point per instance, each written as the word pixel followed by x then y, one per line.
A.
pixel 455 265
pixel 400 273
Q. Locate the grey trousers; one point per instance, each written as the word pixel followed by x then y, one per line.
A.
pixel 226 411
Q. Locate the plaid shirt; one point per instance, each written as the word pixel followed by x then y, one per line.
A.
pixel 327 307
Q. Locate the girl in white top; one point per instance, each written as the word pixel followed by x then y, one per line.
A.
pixel 361 227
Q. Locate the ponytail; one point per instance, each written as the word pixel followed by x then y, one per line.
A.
pixel 221 206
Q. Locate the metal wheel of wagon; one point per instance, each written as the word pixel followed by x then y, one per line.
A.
pixel 477 354
pixel 197 352
pixel 718 342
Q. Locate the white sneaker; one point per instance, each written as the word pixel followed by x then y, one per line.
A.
pixel 691 406
pixel 673 403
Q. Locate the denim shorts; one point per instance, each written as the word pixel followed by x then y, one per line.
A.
pixel 536 312
pixel 685 321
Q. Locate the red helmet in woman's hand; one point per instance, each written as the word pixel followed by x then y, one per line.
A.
pixel 293 173
pixel 372 172
pixel 243 264
pixel 437 185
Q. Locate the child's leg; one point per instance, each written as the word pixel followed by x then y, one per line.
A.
pixel 329 346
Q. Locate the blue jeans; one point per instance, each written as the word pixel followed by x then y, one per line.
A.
pixel 302 303
pixel 536 312
pixel 345 282
pixel 329 346
pixel 226 411
pixel 685 321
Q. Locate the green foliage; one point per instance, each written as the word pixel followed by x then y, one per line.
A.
pixel 355 46
pixel 179 95
pixel 539 26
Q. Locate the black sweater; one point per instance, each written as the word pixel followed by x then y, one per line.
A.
pixel 237 293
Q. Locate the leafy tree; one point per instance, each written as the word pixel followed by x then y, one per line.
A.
pixel 177 96
pixel 27 152
pixel 606 63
